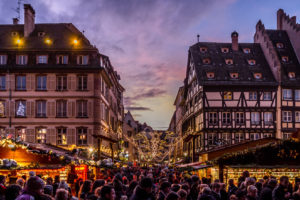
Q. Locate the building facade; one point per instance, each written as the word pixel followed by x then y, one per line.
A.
pixel 236 92
pixel 56 88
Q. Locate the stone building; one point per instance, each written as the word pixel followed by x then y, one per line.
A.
pixel 237 92
pixel 56 88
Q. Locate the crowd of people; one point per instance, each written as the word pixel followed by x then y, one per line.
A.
pixel 150 184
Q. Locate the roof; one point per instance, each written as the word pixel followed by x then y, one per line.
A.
pixel 281 36
pixel 61 35
pixel 240 64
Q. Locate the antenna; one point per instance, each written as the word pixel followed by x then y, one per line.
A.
pixel 198 36
pixel 18 9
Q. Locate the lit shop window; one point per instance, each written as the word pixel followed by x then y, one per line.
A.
pixel 62 136
pixel 2 108
pixel 2 132
pixel 21 134
pixel 40 136
pixel 82 136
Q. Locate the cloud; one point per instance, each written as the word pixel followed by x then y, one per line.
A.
pixel 139 108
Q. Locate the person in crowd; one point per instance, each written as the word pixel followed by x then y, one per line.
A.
pixel 172 196
pixel 194 187
pixel 164 190
pixel 144 190
pixel 33 189
pixel 206 194
pixel 20 182
pixel 251 193
pixel 266 193
pixel 12 192
pixel 281 192
pixel 56 183
pixel 2 186
pixel 216 188
pixel 97 183
pixel 78 184
pixel 107 193
pixel 231 188
pixel 85 190
pixel 61 194
pixel 131 188
pixel 182 194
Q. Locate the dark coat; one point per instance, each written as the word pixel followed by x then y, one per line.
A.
pixel 279 193
pixel 140 194
pixel 266 193
pixel 206 197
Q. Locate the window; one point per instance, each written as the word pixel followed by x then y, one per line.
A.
pixel 255 118
pixel 2 133
pixel 82 108
pixel 229 61
pixel 287 136
pixel 234 75
pixel 22 59
pixel 292 75
pixel 212 139
pixel 227 95
pixel 129 133
pixel 21 134
pixel 2 82
pixel 268 118
pixel 279 45
pixel 251 62
pixel 257 76
pixel 203 49
pixel 62 59
pixel 81 136
pixel 21 108
pixel 226 118
pixel 42 59
pixel 297 95
pixel 82 60
pixel 61 83
pixel 287 94
pixel 297 116
pixel 3 59
pixel 82 83
pixel 41 83
pixel 40 135
pixel 239 137
pixel 61 108
pixel 21 83
pixel 210 75
pixel 212 118
pixel 254 136
pixel 41 34
pixel 2 108
pixel 246 50
pixel 206 61
pixel 224 50
pixel 267 96
pixel 285 59
pixel 287 116
pixel 41 109
pixel 252 96
pixel 240 118
pixel 62 136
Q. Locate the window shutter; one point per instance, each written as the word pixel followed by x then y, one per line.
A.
pixel 28 82
pixel 48 136
pixel 48 110
pixel 90 109
pixel 69 108
pixel 52 85
pixel 12 108
pixel 71 139
pixel 90 82
pixel 30 136
pixel 73 109
pixel 28 109
pixel 33 81
pixel 52 136
pixel 32 107
pixel 69 82
pixel 90 137
pixel 6 109
pixel 73 82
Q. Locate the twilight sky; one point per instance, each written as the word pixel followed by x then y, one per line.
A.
pixel 147 40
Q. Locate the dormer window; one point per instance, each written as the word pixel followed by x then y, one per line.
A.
pixel 206 61
pixel 3 59
pixel 203 49
pixel 224 50
pixel 14 33
pixel 292 75
pixel 82 60
pixel 210 75
pixel 246 50
pixel 285 59
pixel 62 59
pixel 228 61
pixel 257 76
pixel 234 75
pixel 251 62
pixel 41 34
pixel 42 59
pixel 279 45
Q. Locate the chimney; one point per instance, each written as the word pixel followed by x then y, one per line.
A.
pixel 29 16
pixel 293 19
pixel 280 14
pixel 15 21
pixel 235 41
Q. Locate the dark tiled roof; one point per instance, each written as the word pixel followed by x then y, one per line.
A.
pixel 240 64
pixel 61 35
pixel 280 36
